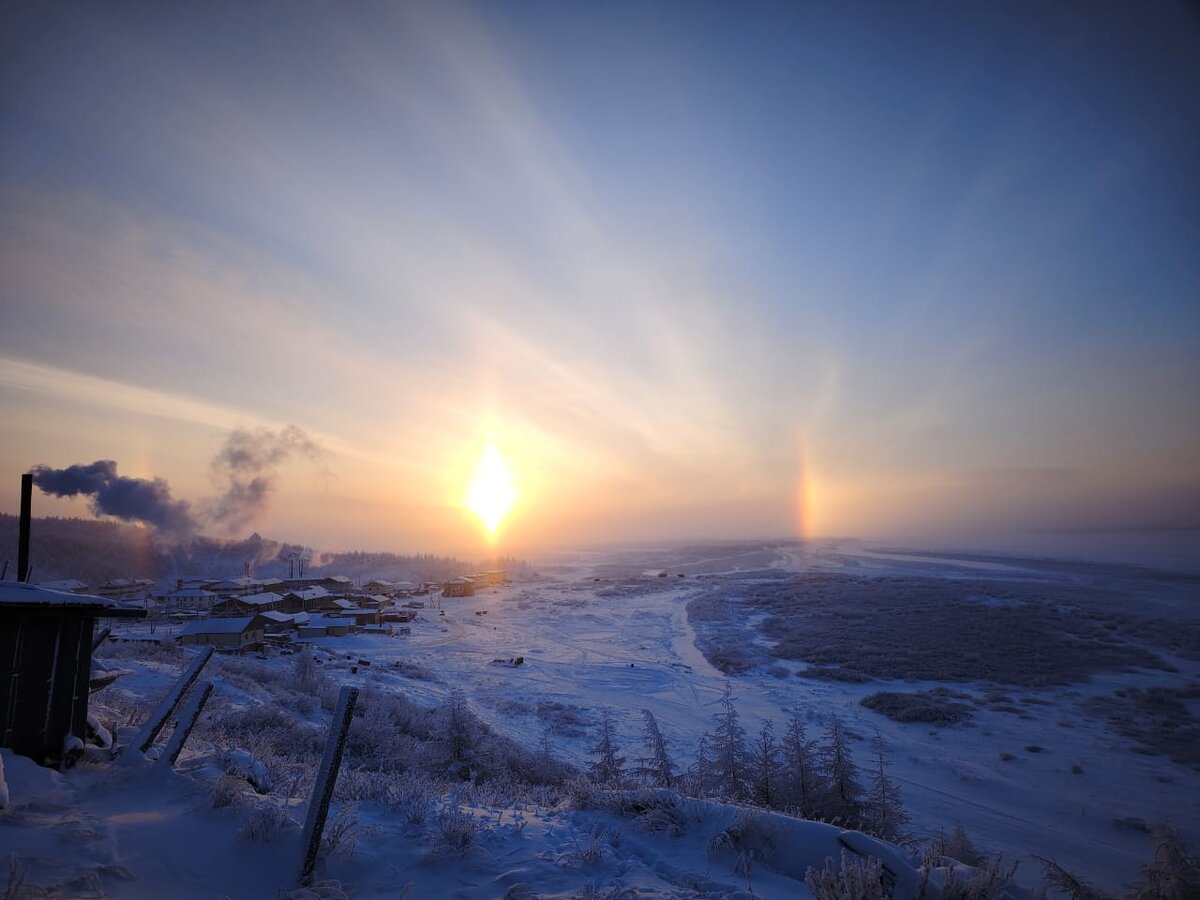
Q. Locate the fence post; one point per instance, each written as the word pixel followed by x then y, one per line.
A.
pixel 331 760
pixel 185 724
pixel 166 706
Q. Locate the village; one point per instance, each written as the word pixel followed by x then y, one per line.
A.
pixel 249 614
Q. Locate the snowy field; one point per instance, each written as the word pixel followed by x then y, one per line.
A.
pixel 1067 739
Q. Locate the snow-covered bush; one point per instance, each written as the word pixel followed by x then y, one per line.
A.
pixel 454 832
pixel 227 790
pixel 265 822
pixel 855 879
pixel 412 798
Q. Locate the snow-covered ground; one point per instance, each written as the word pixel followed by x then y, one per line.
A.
pixel 611 629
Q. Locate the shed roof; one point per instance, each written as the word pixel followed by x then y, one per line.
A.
pixel 22 597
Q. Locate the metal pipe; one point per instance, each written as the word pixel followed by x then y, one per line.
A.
pixel 23 538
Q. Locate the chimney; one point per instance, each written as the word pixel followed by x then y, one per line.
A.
pixel 23 534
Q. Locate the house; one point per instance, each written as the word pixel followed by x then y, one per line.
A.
pixel 321 626
pixel 46 667
pixel 459 587
pixel 334 584
pixel 399 615
pixel 490 579
pixel 276 622
pixel 227 634
pixel 305 599
pixel 187 598
pixel 247 605
pixel 364 616
pixel 125 588
pixel 341 605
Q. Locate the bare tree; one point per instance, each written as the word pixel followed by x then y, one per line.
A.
pixel 801 780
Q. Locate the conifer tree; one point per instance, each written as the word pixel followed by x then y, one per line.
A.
pixel 730 757
pixel 884 812
pixel 609 767
pixel 841 776
pixel 656 767
pixel 801 781
pixel 764 767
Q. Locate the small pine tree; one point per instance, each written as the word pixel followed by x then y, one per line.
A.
pixel 458 726
pixel 699 777
pixel 801 780
pixel 656 767
pixel 884 812
pixel 609 767
pixel 730 757
pixel 844 796
pixel 764 767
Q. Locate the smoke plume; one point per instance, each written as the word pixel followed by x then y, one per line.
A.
pixel 246 467
pixel 131 499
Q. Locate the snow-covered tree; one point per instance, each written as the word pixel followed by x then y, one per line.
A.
pixel 883 812
pixel 609 767
pixel 656 767
pixel 764 767
pixel 730 759
pixel 801 782
pixel 458 726
pixel 844 796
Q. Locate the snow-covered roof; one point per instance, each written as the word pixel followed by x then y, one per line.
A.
pixel 265 599
pixel 345 604
pixel 218 626
pixel 67 584
pixel 312 593
pixel 19 594
pixel 275 615
pixel 321 621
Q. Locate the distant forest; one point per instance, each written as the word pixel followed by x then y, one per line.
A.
pixel 97 551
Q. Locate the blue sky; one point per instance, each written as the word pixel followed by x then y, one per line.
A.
pixel 922 273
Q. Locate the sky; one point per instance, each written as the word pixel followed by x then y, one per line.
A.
pixel 925 273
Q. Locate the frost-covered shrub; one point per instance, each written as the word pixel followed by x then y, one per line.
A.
pixel 412 798
pixel 935 707
pixel 342 834
pixel 265 822
pixel 227 790
pixel 855 879
pixel 454 832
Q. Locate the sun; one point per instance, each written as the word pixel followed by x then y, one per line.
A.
pixel 492 492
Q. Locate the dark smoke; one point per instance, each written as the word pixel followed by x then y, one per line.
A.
pixel 131 499
pixel 247 466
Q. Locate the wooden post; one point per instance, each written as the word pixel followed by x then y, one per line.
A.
pixel 166 706
pixel 184 725
pixel 331 760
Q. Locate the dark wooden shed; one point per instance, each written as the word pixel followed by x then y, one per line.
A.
pixel 45 667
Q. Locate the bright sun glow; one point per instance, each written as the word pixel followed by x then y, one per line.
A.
pixel 492 492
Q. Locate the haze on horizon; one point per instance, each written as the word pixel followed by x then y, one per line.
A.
pixel 697 270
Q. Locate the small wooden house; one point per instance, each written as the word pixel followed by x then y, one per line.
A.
pixel 227 633
pixel 249 605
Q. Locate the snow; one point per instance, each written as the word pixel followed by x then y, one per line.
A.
pixel 623 642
